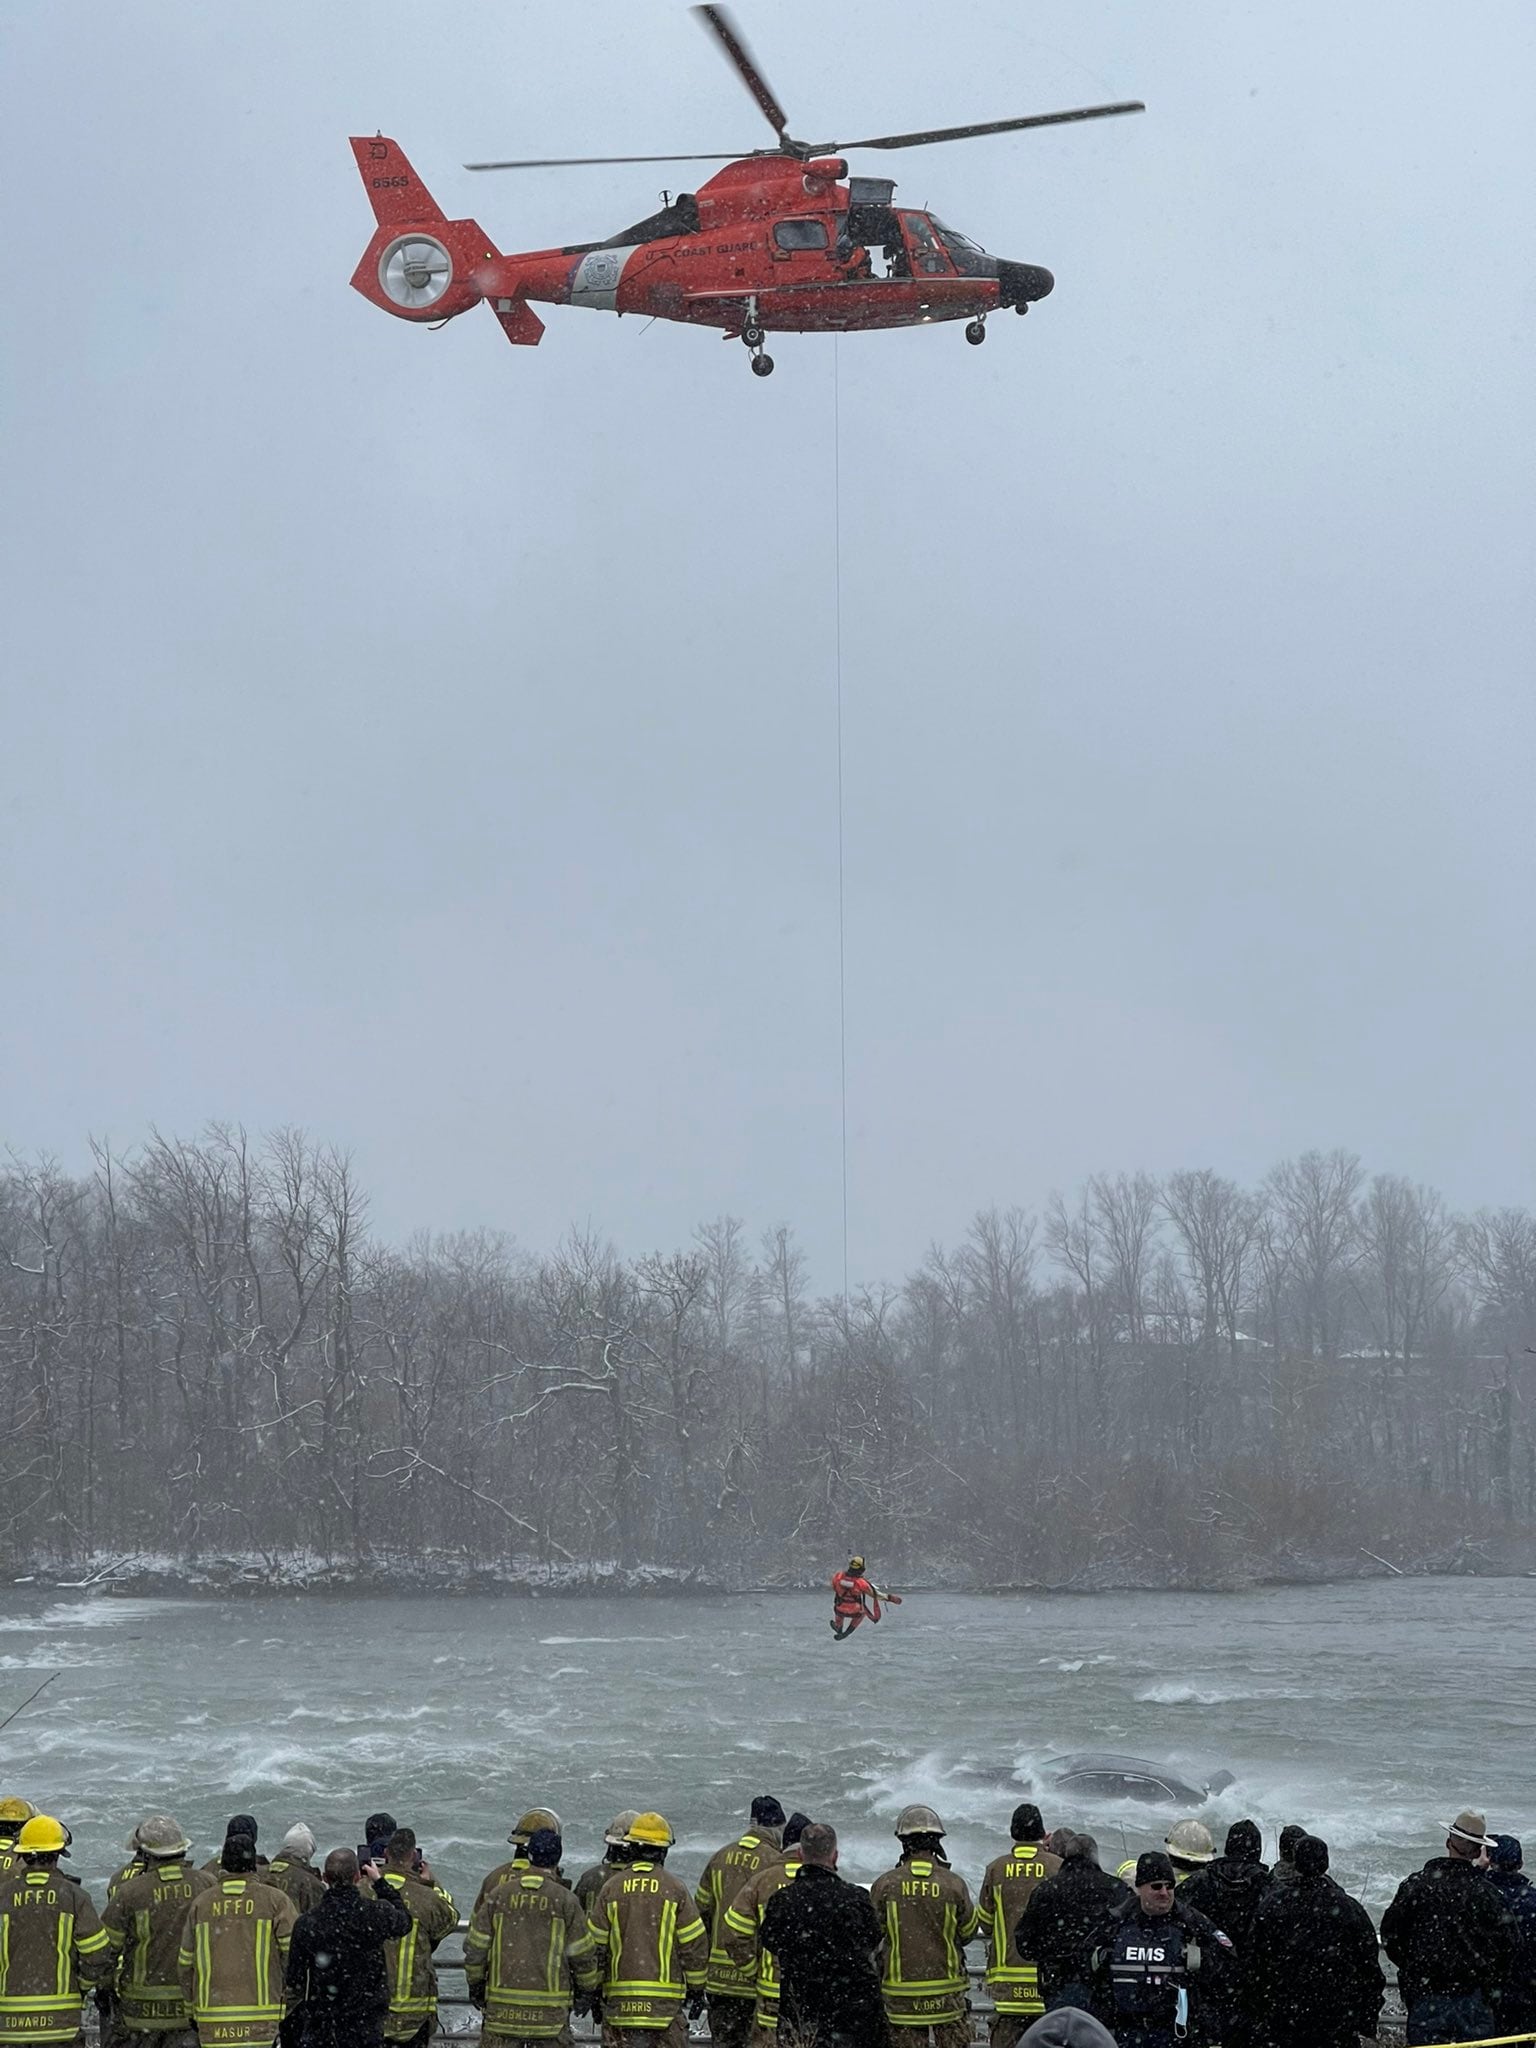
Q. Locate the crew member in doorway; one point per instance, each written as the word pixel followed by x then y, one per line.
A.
pixel 854 1600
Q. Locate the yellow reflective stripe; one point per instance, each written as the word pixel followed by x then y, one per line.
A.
pixel 668 1940
pixel 92 1944
pixel 738 1923
pixel 405 1964
pixel 70 2002
pixel 5 1952
pixel 204 1966
pixel 552 1957
pixel 63 1938
pixel 893 1943
pixel 237 2012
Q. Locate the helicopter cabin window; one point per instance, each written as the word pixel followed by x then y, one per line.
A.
pixel 927 256
pixel 800 234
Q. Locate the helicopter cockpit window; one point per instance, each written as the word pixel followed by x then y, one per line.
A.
pixel 968 257
pixel 927 255
pixel 800 234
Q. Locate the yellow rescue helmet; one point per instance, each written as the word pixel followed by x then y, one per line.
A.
pixel 1190 1841
pixel 917 1820
pixel 535 1818
pixel 855 1564
pixel 651 1831
pixel 42 1836
pixel 13 1811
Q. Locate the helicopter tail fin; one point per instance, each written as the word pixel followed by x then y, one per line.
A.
pixel 395 193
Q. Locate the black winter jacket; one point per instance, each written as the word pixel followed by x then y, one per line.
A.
pixel 1311 1972
pixel 1061 1918
pixel 1229 1893
pixel 1517 2013
pixel 1449 1932
pixel 823 1933
pixel 336 1964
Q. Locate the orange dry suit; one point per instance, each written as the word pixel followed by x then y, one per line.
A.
pixel 852 1594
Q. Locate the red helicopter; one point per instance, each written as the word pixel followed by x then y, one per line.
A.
pixel 780 239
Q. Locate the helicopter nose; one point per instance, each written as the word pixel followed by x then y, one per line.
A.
pixel 1020 284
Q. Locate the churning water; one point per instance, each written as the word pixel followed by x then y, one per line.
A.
pixel 1371 1712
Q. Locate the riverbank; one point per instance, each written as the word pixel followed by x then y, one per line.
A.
pixel 438 1575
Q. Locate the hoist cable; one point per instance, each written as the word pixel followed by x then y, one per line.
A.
pixel 842 917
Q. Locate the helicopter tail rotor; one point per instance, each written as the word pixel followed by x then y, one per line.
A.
pixel 421 265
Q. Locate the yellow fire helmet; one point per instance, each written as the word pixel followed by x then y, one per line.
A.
pixel 855 1564
pixel 14 1811
pixel 42 1836
pixel 651 1831
pixel 535 1818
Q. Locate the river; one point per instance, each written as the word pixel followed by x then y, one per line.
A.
pixel 1369 1711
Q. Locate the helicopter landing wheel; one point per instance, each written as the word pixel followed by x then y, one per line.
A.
pixel 976 332
pixel 752 335
pixel 762 366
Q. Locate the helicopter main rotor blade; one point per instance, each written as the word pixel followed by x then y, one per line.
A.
pixel 718 21
pixel 546 163
pixel 922 135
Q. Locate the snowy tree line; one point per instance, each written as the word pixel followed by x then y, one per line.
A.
pixel 203 1349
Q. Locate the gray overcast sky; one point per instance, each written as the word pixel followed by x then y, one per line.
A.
pixel 432 743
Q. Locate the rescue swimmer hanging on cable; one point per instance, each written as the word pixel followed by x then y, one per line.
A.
pixel 855 1599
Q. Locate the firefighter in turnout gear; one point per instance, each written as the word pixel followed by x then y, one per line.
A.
pixel 14 1815
pixel 408 1962
pixel 618 1854
pixel 292 1870
pixel 51 1942
pixel 517 1835
pixel 143 1921
pixel 234 1951
pixel 652 1944
pixel 744 1925
pixel 529 1953
pixel 1164 1965
pixel 1005 1892
pixel 928 1918
pixel 732 1984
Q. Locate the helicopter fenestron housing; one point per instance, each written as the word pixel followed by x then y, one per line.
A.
pixel 778 238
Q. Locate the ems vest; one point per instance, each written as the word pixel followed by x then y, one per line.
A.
pixel 527 1948
pixel 143 1921
pixel 743 1922
pixel 1005 1892
pixel 1149 1961
pixel 928 1918
pixel 726 1874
